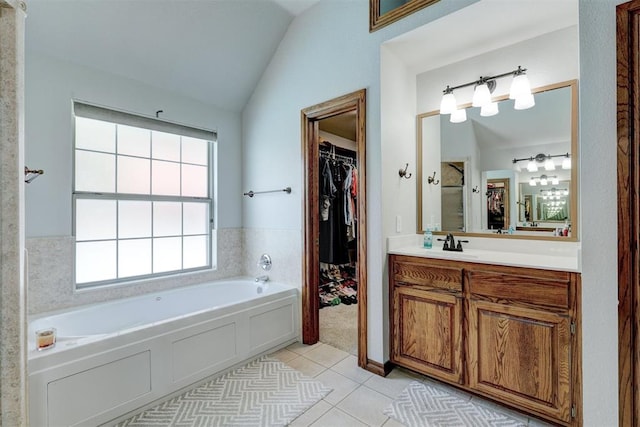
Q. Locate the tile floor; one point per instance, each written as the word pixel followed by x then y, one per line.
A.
pixel 358 397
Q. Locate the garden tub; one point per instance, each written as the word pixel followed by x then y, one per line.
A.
pixel 114 357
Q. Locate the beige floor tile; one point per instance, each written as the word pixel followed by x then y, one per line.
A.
pixel 298 347
pixel 326 355
pixel 284 355
pixel 350 369
pixel 341 385
pixel 311 415
pixel 392 423
pixel 336 418
pixel 366 405
pixel 394 383
pixel 306 366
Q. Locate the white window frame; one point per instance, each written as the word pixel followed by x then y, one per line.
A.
pixel 82 109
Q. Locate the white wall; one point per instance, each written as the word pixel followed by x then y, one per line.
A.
pixel 51 85
pixel 550 58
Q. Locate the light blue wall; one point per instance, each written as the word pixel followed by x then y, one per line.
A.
pixel 599 210
pixel 328 52
pixel 51 84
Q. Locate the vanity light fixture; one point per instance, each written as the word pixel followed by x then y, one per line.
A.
pixel 448 104
pixel 458 116
pixel 543 180
pixel 553 193
pixel 546 159
pixel 490 109
pixel 520 91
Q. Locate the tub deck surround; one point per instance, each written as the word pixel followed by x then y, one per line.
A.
pixel 113 358
pixel 546 255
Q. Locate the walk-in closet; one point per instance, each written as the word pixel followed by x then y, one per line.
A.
pixel 338 192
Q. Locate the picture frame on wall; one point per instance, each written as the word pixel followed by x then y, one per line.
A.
pixel 385 12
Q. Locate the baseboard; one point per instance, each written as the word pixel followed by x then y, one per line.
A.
pixel 379 368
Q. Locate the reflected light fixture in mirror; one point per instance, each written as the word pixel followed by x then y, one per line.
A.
pixel 520 91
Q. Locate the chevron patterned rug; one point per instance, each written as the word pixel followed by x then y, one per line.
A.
pixel 265 392
pixel 423 405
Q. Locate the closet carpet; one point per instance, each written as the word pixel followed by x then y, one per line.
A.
pixel 339 327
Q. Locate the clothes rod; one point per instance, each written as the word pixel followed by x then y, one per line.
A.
pixel 253 193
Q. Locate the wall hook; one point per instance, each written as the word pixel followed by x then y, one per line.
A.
pixel 432 179
pixel 403 172
pixel 158 113
pixel 475 189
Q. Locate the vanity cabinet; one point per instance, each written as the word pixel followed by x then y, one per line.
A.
pixel 505 333
pixel 427 319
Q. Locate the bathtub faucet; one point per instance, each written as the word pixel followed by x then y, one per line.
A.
pixel 262 279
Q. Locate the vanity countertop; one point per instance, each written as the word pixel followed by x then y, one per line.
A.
pixel 563 257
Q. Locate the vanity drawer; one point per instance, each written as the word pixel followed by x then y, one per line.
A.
pixel 426 273
pixel 545 291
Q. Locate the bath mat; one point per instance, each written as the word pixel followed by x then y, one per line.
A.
pixel 265 392
pixel 423 405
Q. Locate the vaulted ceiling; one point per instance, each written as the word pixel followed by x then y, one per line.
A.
pixel 211 50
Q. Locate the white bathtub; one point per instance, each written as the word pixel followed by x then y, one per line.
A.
pixel 112 358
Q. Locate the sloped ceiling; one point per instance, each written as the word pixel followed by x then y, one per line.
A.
pixel 211 50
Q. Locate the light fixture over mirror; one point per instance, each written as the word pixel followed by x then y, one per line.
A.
pixel 520 92
pixel 517 157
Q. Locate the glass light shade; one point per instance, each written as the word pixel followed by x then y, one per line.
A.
pixel 520 87
pixel 532 182
pixel 516 167
pixel 549 165
pixel 490 109
pixel 448 104
pixel 545 197
pixel 566 192
pixel 566 163
pixel 532 166
pixel 555 181
pixel 543 181
pixel 458 116
pixel 481 96
pixel 523 102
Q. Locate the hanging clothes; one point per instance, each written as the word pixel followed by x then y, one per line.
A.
pixel 337 208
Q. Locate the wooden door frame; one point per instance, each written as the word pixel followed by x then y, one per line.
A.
pixel 628 123
pixel 355 101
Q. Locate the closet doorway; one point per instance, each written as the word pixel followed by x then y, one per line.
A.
pixel 334 236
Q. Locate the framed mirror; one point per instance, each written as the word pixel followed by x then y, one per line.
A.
pixel 385 12
pixel 513 174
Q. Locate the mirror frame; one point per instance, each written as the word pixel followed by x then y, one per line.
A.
pixel 573 84
pixel 377 21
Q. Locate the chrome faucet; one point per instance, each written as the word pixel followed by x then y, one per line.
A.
pixel 263 279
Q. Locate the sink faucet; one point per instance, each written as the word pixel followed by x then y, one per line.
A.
pixel 450 243
pixel 263 279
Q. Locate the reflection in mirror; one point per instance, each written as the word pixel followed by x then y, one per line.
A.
pixel 523 162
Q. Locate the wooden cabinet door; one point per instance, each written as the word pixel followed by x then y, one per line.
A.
pixel 427 332
pixel 521 356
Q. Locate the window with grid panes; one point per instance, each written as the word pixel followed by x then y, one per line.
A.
pixel 142 197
